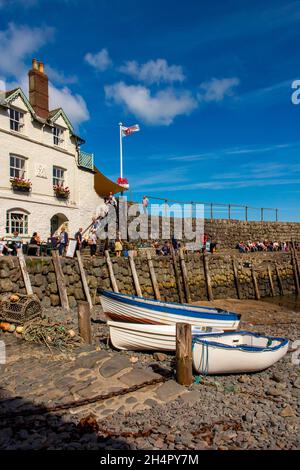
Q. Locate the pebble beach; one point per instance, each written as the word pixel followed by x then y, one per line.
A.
pixel 244 411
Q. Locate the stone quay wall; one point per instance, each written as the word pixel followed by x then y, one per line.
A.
pixel 226 232
pixel 220 267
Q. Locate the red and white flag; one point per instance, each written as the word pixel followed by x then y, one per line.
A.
pixel 129 130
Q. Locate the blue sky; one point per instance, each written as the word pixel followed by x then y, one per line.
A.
pixel 209 83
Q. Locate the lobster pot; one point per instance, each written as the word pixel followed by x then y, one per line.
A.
pixel 19 308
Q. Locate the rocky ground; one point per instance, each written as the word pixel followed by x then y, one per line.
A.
pixel 257 411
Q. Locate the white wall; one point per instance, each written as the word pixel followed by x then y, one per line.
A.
pixel 35 143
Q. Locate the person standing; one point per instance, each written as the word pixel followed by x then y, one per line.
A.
pixel 78 238
pixel 93 243
pixel 145 203
pixel 118 247
pixel 63 241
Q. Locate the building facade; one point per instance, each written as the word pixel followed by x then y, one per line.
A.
pixel 40 145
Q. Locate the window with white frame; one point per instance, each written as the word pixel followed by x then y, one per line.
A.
pixel 17 166
pixel 16 119
pixel 58 134
pixel 16 221
pixel 58 176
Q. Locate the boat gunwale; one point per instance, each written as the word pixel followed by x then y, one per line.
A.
pixel 202 340
pixel 186 310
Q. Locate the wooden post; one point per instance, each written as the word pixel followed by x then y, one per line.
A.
pixel 84 322
pixel 255 284
pixel 134 275
pixel 60 279
pixel 184 276
pixel 207 278
pixel 236 278
pixel 279 279
pixel 184 365
pixel 153 276
pixel 24 271
pixel 296 278
pixel 297 262
pixel 111 272
pixel 271 281
pixel 84 280
pixel 177 276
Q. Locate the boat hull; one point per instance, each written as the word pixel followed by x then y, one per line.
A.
pixel 239 352
pixel 140 337
pixel 121 307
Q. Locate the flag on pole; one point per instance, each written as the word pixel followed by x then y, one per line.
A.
pixel 129 130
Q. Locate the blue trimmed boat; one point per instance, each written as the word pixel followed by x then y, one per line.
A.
pixel 133 309
pixel 236 352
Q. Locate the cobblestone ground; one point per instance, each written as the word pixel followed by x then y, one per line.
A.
pixel 257 411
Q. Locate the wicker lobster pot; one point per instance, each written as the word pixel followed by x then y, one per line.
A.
pixel 19 308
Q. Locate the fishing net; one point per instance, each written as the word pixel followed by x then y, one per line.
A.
pixel 53 335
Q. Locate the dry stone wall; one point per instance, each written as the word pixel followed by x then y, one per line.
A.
pixel 220 266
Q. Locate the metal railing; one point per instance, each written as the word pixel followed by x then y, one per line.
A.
pixel 215 210
pixel 86 160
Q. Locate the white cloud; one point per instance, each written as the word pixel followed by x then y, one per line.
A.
pixel 19 42
pixel 73 105
pixel 101 60
pixel 158 109
pixel 216 89
pixel 154 71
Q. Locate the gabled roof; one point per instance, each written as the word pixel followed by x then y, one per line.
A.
pixel 56 113
pixel 11 95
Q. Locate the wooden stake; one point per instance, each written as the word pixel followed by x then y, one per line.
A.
pixel 134 275
pixel 296 278
pixel 236 278
pixel 24 271
pixel 177 276
pixel 153 276
pixel 60 280
pixel 271 281
pixel 184 276
pixel 83 279
pixel 207 278
pixel 297 262
pixel 111 272
pixel 184 370
pixel 84 322
pixel 255 284
pixel 279 279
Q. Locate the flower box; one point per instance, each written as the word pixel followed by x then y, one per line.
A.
pixel 123 182
pixel 61 192
pixel 20 184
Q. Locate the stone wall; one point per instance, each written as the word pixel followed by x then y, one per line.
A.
pixel 227 232
pixel 42 276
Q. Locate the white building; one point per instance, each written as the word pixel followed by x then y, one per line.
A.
pixel 40 145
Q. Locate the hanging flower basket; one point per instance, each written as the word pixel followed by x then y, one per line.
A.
pixel 123 182
pixel 61 192
pixel 20 184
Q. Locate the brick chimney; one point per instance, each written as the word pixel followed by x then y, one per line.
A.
pixel 38 89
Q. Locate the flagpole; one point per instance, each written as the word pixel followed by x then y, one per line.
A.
pixel 121 151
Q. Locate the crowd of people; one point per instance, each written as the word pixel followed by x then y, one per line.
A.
pixel 266 245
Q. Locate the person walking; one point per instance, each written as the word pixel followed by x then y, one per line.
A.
pixel 63 241
pixel 145 203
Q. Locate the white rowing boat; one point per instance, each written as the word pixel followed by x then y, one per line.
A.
pixel 132 309
pixel 140 337
pixel 236 352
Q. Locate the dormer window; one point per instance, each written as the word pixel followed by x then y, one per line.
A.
pixel 57 135
pixel 16 120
